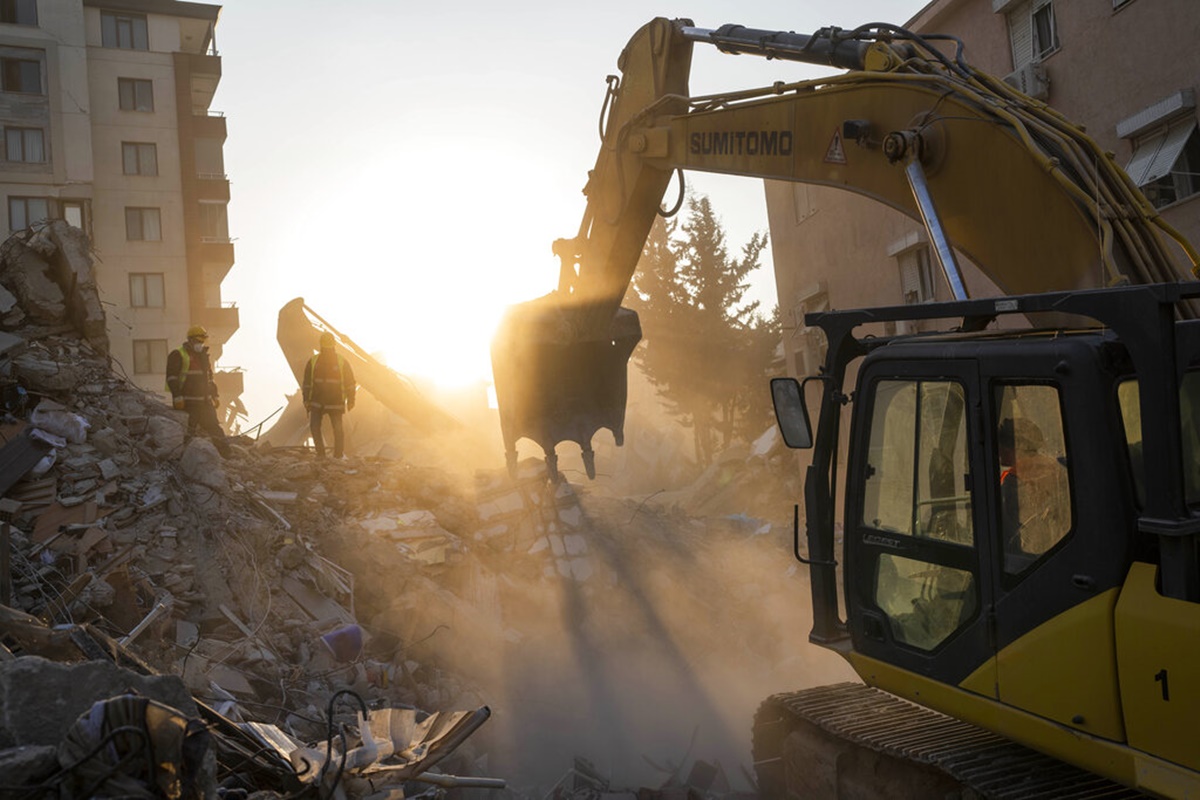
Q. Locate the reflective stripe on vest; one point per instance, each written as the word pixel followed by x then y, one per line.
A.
pixel 185 372
pixel 324 382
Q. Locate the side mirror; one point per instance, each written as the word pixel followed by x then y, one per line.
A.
pixel 791 413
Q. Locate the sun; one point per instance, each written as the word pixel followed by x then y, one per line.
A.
pixel 436 254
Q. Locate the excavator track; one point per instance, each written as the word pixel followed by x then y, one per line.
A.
pixel 851 741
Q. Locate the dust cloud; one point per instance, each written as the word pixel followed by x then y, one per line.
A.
pixel 691 612
pixel 685 628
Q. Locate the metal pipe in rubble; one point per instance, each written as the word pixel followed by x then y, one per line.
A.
pixel 457 782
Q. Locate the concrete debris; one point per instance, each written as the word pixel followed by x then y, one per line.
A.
pixel 321 621
pixel 705 780
pixel 48 269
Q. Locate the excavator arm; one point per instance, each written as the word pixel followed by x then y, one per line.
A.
pixel 908 125
pixel 299 327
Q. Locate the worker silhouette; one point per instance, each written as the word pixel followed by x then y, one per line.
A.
pixel 328 391
pixel 1034 497
pixel 190 381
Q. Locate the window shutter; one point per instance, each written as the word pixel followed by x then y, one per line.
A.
pixel 1168 154
pixel 910 276
pixel 1020 33
pixel 1155 155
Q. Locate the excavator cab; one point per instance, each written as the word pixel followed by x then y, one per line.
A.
pixel 1004 525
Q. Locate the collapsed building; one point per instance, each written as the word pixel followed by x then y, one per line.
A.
pixel 174 624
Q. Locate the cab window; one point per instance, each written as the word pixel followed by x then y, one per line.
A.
pixel 1034 476
pixel 1189 409
pixel 916 484
pixel 917 470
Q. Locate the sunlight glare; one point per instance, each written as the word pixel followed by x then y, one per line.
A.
pixel 454 243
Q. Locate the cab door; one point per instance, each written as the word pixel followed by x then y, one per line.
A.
pixel 917 594
pixel 1062 558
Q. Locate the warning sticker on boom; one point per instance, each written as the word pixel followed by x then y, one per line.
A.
pixel 836 154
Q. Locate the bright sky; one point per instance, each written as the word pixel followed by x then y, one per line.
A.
pixel 405 167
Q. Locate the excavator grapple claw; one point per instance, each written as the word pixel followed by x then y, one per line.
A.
pixel 553 385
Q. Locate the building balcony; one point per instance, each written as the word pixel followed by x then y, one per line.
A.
pixel 216 252
pixel 212 186
pixel 230 382
pixel 205 73
pixel 209 126
pixel 221 321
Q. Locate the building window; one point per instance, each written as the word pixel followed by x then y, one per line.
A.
pixel 916 275
pixel 18 12
pixel 125 31
pixel 1045 34
pixel 149 356
pixel 143 225
pixel 136 94
pixel 24 144
pixel 1166 164
pixel 146 290
pixel 214 222
pixel 1032 31
pixel 75 214
pixel 25 211
pixel 139 158
pixel 23 75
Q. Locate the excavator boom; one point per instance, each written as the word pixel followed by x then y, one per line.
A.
pixel 906 125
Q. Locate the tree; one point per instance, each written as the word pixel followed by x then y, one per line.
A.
pixel 706 349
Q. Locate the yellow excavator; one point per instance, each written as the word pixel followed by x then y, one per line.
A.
pixel 1019 569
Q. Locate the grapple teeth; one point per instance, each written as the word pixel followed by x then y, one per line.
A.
pixel 554 384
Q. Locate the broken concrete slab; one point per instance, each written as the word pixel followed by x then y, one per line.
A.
pixel 166 436
pixel 27 766
pixel 71 266
pixel 41 699
pixel 202 464
pixel 8 301
pixel 10 345
pixel 44 373
pixel 27 274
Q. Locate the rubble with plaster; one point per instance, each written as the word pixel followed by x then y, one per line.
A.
pixel 267 594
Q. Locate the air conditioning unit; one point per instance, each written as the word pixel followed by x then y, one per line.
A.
pixel 1031 79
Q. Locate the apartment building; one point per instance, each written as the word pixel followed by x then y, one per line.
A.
pixel 1124 69
pixel 107 124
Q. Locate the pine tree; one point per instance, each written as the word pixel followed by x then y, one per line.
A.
pixel 706 350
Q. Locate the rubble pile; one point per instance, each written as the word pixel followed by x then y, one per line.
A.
pixel 177 624
pixel 161 557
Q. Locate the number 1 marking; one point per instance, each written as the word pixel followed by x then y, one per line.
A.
pixel 1162 676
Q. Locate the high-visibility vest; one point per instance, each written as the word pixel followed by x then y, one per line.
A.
pixel 189 377
pixel 318 387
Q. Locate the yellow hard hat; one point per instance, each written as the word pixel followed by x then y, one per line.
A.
pixel 327 340
pixel 197 332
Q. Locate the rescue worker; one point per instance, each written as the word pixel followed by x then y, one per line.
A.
pixel 190 381
pixel 328 390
